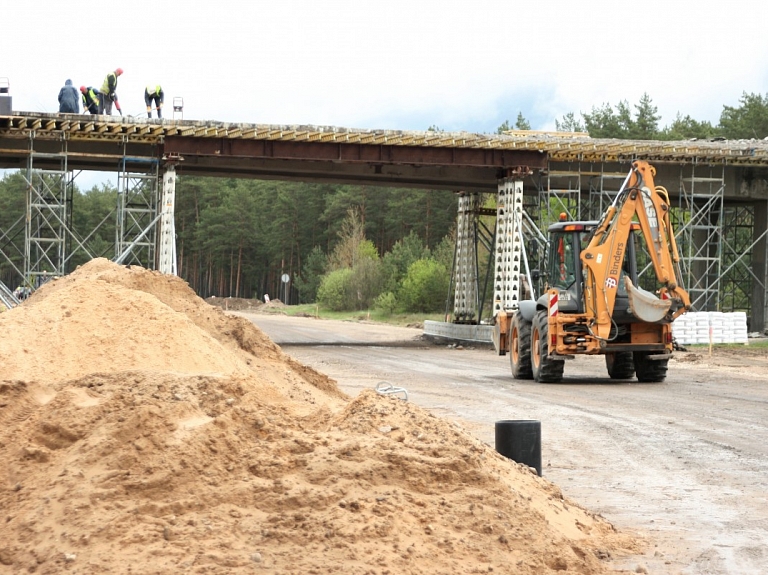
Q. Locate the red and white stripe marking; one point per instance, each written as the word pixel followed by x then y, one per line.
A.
pixel 553 304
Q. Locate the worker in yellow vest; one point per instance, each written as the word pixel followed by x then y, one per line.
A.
pixel 108 95
pixel 90 100
pixel 154 94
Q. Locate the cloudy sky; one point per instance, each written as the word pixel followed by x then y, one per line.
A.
pixel 394 64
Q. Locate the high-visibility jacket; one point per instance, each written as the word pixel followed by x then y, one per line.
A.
pixel 110 83
pixel 154 91
pixel 90 98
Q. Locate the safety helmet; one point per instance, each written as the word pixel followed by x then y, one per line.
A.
pixel 82 89
pixel 119 71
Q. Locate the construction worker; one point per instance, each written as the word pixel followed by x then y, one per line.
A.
pixel 154 94
pixel 90 99
pixel 68 100
pixel 107 94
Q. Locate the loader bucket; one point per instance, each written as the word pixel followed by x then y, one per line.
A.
pixel 644 305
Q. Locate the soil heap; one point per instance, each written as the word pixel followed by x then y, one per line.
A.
pixel 143 430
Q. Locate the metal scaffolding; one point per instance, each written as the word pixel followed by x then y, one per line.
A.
pixel 137 216
pixel 560 193
pixel 49 238
pixel 603 189
pixel 48 216
pixel 736 257
pixel 699 233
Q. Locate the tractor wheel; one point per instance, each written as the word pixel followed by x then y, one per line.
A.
pixel 520 347
pixel 545 369
pixel 620 364
pixel 649 370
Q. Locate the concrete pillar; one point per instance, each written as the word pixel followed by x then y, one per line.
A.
pixel 465 302
pixel 758 320
pixel 167 262
pixel 509 264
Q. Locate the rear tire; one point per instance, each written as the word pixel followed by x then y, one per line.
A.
pixel 649 370
pixel 620 364
pixel 545 369
pixel 520 347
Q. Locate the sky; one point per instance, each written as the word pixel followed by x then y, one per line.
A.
pixel 393 64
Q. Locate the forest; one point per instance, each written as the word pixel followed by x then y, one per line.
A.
pixel 344 247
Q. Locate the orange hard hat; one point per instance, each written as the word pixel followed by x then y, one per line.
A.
pixel 119 71
pixel 82 89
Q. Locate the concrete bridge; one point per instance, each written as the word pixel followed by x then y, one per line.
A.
pixel 719 189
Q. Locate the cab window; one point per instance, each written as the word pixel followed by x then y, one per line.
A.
pixel 562 272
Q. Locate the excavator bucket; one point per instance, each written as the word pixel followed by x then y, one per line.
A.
pixel 644 305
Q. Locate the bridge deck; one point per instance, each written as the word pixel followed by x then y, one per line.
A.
pixel 441 160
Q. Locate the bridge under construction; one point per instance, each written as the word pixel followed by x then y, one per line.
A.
pixel 719 188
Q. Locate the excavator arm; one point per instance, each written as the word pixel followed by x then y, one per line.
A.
pixel 602 260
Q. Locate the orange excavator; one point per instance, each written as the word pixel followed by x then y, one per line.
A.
pixel 593 303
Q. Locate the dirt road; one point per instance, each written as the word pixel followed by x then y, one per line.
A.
pixel 685 462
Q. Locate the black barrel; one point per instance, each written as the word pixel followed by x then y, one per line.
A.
pixel 520 440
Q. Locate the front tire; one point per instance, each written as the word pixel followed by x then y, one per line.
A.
pixel 620 364
pixel 649 370
pixel 520 347
pixel 545 369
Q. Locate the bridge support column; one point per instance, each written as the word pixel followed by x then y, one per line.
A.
pixel 508 256
pixel 167 263
pixel 465 299
pixel 759 316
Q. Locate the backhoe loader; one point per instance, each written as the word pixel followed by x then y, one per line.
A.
pixel 593 303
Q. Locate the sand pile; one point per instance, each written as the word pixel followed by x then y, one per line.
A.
pixel 144 431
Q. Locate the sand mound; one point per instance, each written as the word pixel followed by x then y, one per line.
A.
pixel 154 434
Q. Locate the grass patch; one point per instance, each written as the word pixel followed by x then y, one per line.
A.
pixel 753 344
pixel 374 315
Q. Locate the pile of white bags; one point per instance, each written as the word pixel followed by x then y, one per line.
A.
pixel 700 326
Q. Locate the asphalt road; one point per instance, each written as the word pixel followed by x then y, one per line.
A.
pixel 683 463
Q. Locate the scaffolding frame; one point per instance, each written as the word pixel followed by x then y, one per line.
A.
pixel 738 277
pixel 560 192
pixel 699 232
pixel 48 216
pixel 603 189
pixel 137 212
pixel 46 227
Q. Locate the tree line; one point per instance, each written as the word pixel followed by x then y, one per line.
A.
pixel 641 121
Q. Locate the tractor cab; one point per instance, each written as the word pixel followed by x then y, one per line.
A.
pixel 564 269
